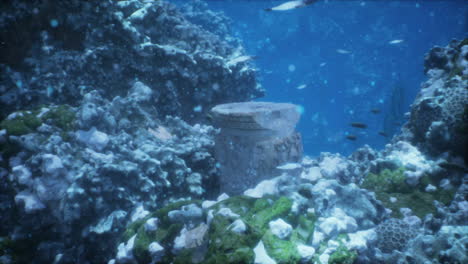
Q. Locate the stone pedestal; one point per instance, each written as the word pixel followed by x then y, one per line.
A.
pixel 255 138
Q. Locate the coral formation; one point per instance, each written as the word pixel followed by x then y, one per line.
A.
pixel 109 45
pixel 103 158
pixel 391 188
pixel 85 165
pixel 394 234
pixel 437 116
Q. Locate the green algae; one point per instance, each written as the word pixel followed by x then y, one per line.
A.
pixel 304 230
pixel 342 255
pixel 392 190
pixel 228 246
pixel 280 208
pixel 165 234
pixel 283 251
pixel 238 204
pixel 61 116
pixel 24 122
pixel 222 245
pixel 142 241
pixel 387 181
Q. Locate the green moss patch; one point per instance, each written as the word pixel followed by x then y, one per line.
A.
pixel 388 184
pixel 61 116
pixel 304 229
pixel 387 181
pixel 238 204
pixel 280 208
pixel 228 246
pixel 342 255
pixel 283 251
pixel 25 122
pixel 165 234
pixel 221 244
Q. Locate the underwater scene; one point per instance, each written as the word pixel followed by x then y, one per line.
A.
pixel 234 131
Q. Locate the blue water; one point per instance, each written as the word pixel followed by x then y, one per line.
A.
pixel 301 47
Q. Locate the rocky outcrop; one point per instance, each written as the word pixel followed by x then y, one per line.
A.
pixel 79 181
pixel 439 116
pixel 48 57
pixel 255 138
pixel 86 141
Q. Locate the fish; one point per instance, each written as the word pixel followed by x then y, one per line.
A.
pixel 395 41
pixel 240 59
pixel 383 134
pixel 375 110
pixel 291 5
pixel 302 86
pixel 351 137
pixel 358 125
pixel 323 64
pixel 343 51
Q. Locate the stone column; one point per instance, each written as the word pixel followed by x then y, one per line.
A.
pixel 255 138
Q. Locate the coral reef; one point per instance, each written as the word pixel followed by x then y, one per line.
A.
pixel 103 158
pixel 85 138
pixel 394 234
pixel 108 45
pixel 438 120
pixel 80 171
pixel 283 226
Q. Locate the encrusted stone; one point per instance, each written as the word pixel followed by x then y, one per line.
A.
pixel 255 138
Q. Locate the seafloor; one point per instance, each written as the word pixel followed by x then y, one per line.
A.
pixel 107 154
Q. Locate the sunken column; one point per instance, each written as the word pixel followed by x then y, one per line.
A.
pixel 255 138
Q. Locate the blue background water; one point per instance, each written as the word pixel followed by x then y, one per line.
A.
pixel 300 47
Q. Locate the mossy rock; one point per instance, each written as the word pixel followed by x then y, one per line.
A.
pixel 388 184
pixel 280 208
pixel 342 255
pixel 61 116
pixel 165 234
pixel 223 245
pixel 283 251
pixel 387 181
pixel 421 203
pixel 24 123
pixel 304 230
pixel 142 241
pixel 238 204
pixel 229 247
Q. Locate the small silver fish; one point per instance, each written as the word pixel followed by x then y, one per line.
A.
pixel 343 51
pixel 302 86
pixel 395 41
pixel 291 5
pixel 239 59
